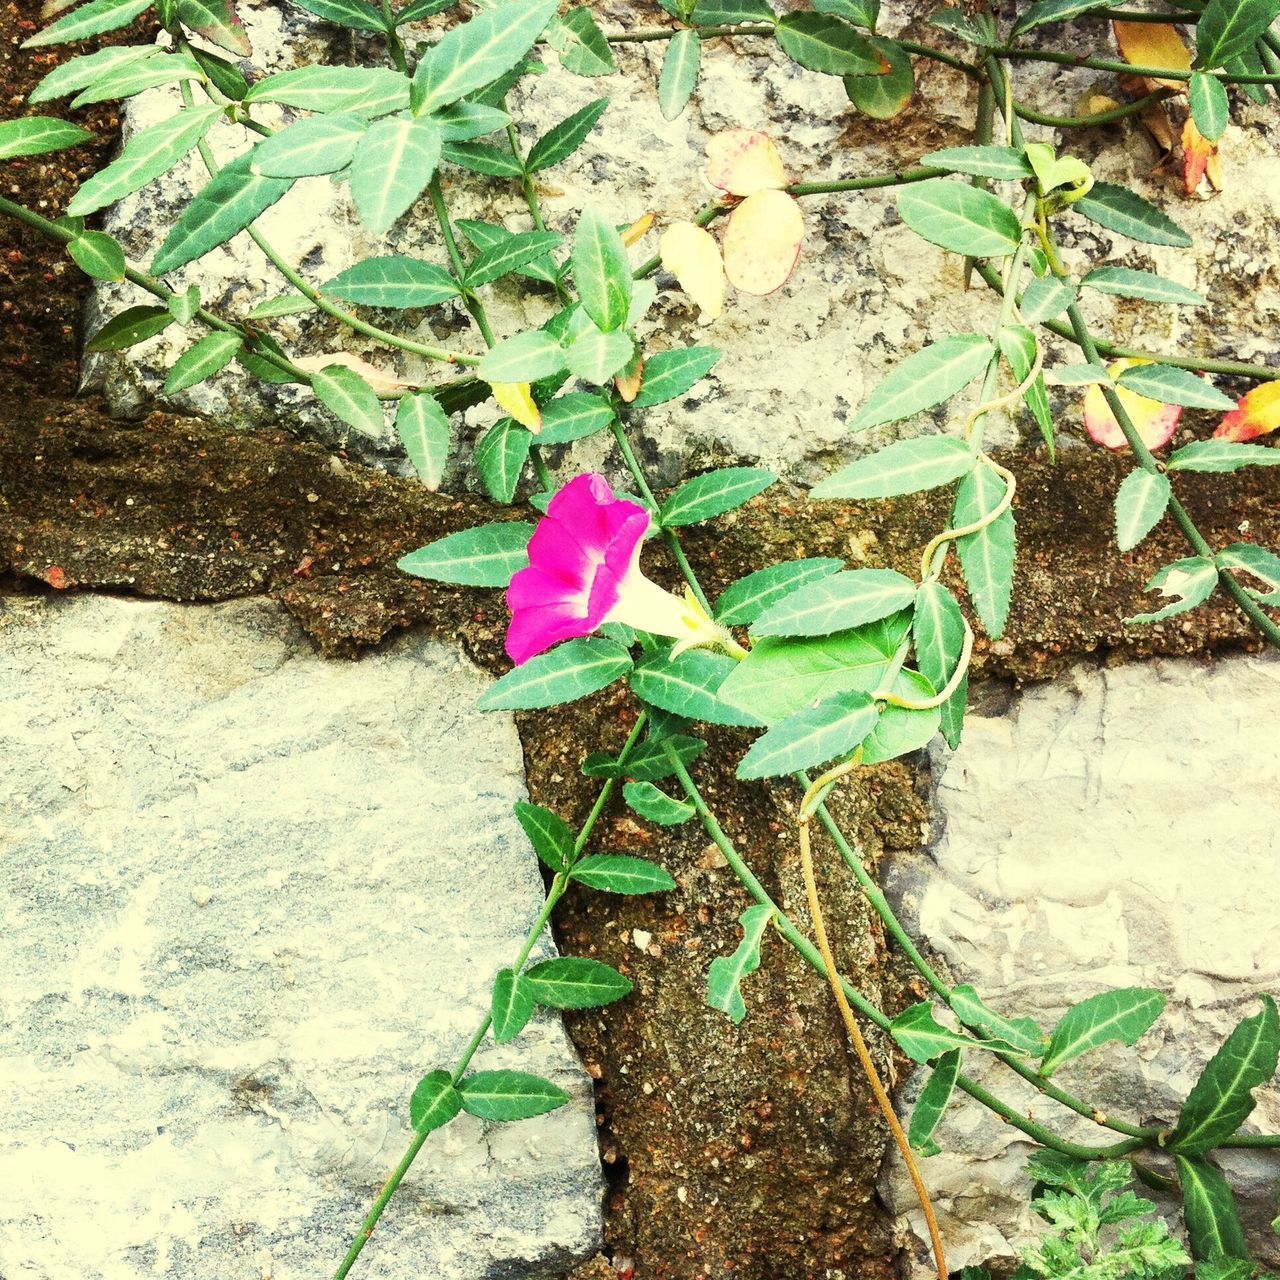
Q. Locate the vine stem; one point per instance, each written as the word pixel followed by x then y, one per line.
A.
pixel 559 884
pixel 1013 53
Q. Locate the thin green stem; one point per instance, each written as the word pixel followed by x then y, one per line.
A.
pixel 1098 117
pixel 559 884
pixel 937 55
pixel 1124 68
pixel 1143 15
pixel 395 46
pixel 647 35
pixel 530 192
pixel 469 298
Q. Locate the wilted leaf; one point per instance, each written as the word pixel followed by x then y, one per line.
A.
pixel 1256 414
pixel 1155 422
pixel 1154 44
pixel 379 379
pixel 744 161
pixel 762 242
pixel 1199 158
pixel 638 229
pixel 516 399
pixel 690 253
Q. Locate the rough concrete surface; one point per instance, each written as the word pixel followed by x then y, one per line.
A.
pixel 249 897
pixel 866 291
pixel 1115 828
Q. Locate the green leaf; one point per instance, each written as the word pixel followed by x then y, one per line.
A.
pixel 510 1007
pixel 1018 345
pixel 687 686
pixel 1171 385
pixel 325 88
pixel 213 352
pixel 1140 503
pixel 601 271
pixel 524 357
pixel 515 251
pixel 884 95
pixel 217 22
pixel 317 144
pixel 347 395
pixel 78 73
pixel 679 73
pixel 596 357
pixel 1252 559
pixel 937 635
pixel 424 432
pixel 34 135
pixel 978 28
pixel 780 676
pixel 485 556
pixel 392 166
pixel 922 1037
pixel 128 81
pixel 847 599
pixel 1190 581
pixel 131 326
pixel 574 982
pixel 932 1102
pixel 549 834
pixel 1227 28
pixel 394 281
pixel 98 255
pixel 987 557
pixel 862 12
pixel 1124 1014
pixel 183 306
pixel 435 1102
pixel 465 120
pixel 825 43
pixel 225 76
pixel 1053 11
pixel 1142 284
pixel 712 494
pixel 719 13
pixel 1210 1210
pixel 228 204
pixel 724 978
pixel 1222 1098
pixel 618 873
pixel 901 730
pixel 749 597
pixel 1127 213
pixel 581 44
pixel 574 416
pixel 1248 63
pixel 566 673
pixel 959 217
pixel 478 51
pixel 1222 455
pixel 420 9
pixel 1044 299
pixel 1210 108
pixel 89 20
pixel 811 736
pixel 650 761
pixel 149 153
pixel 669 374
pixel 358 15
pixel 1022 1033
pixel 906 466
pixel 1081 375
pixel 1008 164
pixel 562 140
pixel 934 374
pixel 500 458
pixel 509 1095
pixel 654 804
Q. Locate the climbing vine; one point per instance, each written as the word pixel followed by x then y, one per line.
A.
pixel 837 668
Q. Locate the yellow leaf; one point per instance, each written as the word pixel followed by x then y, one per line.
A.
pixel 629 379
pixel 744 161
pixel 638 229
pixel 381 380
pixel 1155 421
pixel 689 252
pixel 762 242
pixel 1257 413
pixel 515 398
pixel 1154 44
pixel 1199 157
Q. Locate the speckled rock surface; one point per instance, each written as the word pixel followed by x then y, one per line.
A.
pixel 248 900
pixel 866 292
pixel 1113 828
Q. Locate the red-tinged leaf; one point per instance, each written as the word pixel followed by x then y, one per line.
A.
pixel 1154 44
pixel 1155 421
pixel 744 161
pixel 762 242
pixel 638 229
pixel 218 22
pixel 56 576
pixel 517 399
pixel 379 379
pixel 1256 414
pixel 690 253
pixel 1199 159
pixel 629 380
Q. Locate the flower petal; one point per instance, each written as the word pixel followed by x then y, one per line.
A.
pixel 1155 421
pixel 744 161
pixel 762 242
pixel 690 253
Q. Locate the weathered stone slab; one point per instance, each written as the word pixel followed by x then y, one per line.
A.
pixel 249 897
pixel 866 292
pixel 1114 828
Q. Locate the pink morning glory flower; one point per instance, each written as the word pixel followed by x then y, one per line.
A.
pixel 584 571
